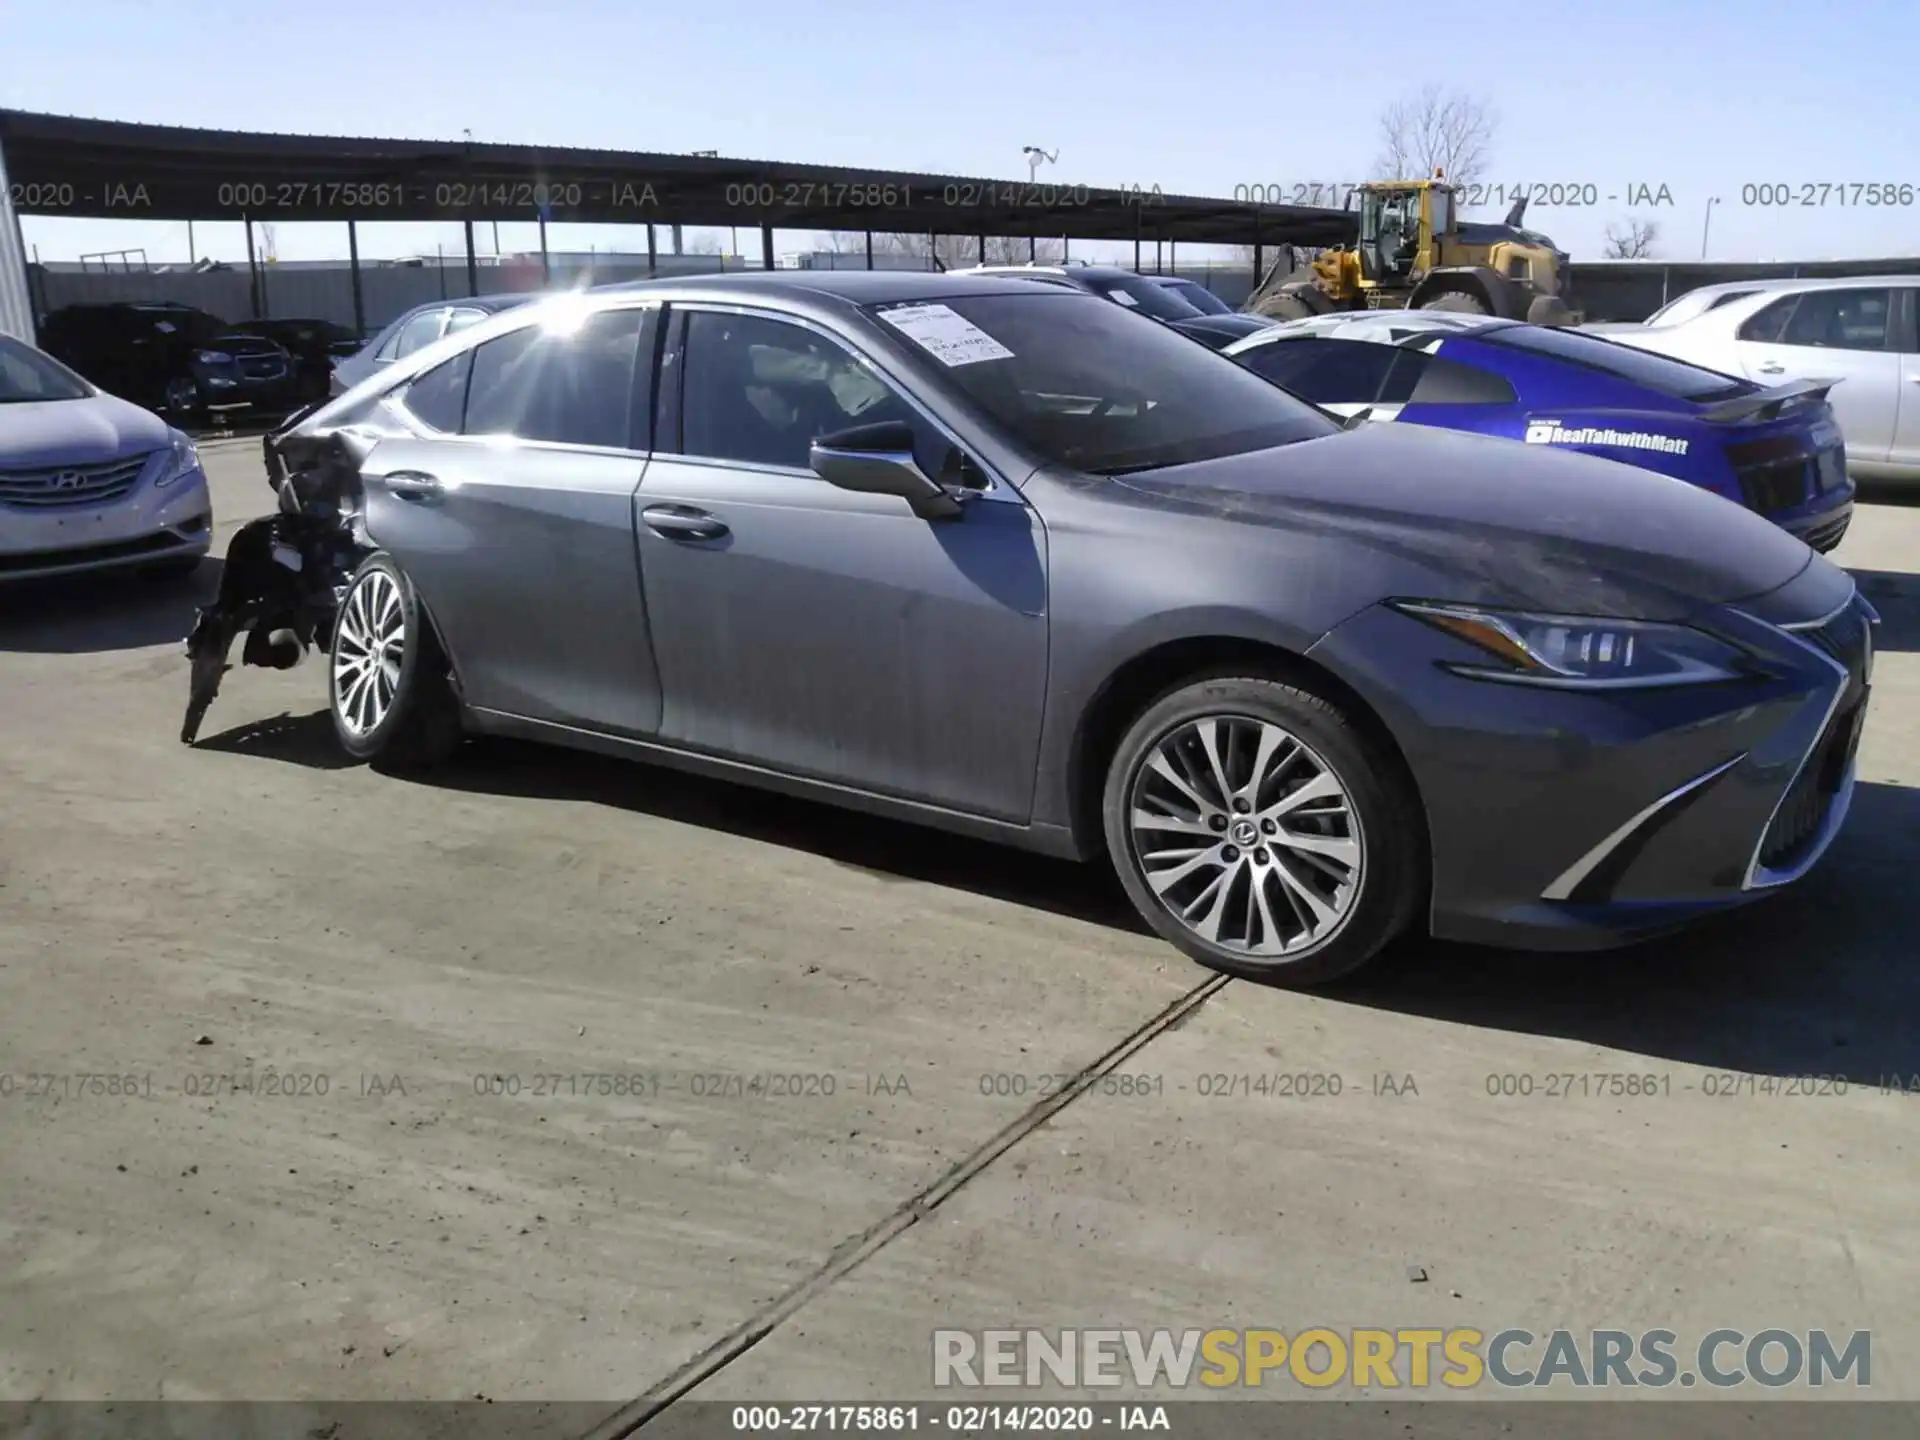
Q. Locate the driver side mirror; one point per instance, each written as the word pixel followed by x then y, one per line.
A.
pixel 878 460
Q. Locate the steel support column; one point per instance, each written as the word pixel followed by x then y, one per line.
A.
pixel 353 275
pixel 253 276
pixel 473 265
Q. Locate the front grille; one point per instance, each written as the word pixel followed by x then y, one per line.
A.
pixel 1847 638
pixel 85 554
pixel 70 485
pixel 262 367
pixel 1796 825
pixel 1774 474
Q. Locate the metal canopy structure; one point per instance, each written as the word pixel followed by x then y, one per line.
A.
pixel 106 169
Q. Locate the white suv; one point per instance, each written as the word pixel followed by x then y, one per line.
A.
pixel 1862 332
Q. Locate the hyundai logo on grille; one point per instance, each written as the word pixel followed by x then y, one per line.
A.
pixel 67 480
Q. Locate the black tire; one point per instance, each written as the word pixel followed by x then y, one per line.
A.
pixel 1458 302
pixel 183 403
pixel 1385 817
pixel 1548 310
pixel 1285 305
pixel 420 725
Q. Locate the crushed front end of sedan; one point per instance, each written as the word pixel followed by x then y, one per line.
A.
pixel 285 573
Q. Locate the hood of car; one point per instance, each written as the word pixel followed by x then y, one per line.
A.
pixel 1523 524
pixel 76 432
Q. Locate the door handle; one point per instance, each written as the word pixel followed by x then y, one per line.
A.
pixel 1772 368
pixel 682 522
pixel 415 485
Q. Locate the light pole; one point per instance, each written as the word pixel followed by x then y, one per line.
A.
pixel 1707 225
pixel 1036 157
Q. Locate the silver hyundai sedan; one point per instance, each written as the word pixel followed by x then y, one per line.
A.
pixel 90 482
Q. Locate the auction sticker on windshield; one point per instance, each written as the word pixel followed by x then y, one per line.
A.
pixel 945 334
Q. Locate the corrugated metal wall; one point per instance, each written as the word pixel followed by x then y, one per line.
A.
pixel 16 302
pixel 326 292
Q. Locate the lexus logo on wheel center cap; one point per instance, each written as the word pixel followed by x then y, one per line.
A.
pixel 1245 832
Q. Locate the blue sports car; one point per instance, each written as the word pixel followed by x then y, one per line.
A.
pixel 1776 450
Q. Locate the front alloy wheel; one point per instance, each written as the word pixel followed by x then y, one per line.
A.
pixel 1246 836
pixel 1262 830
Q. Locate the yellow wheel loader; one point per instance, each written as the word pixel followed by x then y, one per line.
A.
pixel 1413 252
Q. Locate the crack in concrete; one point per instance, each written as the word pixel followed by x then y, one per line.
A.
pixel 856 1250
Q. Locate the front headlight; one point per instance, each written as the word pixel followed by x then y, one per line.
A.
pixel 1582 652
pixel 213 357
pixel 182 458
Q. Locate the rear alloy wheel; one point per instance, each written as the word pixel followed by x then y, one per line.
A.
pixel 389 683
pixel 1259 831
pixel 183 401
pixel 1286 305
pixel 1459 303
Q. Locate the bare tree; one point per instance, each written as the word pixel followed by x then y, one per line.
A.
pixel 953 251
pixel 1437 129
pixel 701 242
pixel 1633 243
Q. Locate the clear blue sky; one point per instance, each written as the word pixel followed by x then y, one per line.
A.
pixel 1699 96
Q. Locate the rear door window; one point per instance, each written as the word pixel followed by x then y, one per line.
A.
pixel 1767 324
pixel 439 397
pixel 1327 372
pixel 1420 378
pixel 416 334
pixel 1841 320
pixel 582 386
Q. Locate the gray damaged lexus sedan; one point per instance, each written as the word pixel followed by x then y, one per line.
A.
pixel 1009 560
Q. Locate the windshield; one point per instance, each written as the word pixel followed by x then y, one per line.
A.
pixel 196 327
pixel 27 376
pixel 1623 362
pixel 1136 292
pixel 1685 307
pixel 1086 387
pixel 1201 298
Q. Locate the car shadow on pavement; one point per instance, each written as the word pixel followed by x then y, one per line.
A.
pixel 888 849
pixel 295 739
pixel 88 614
pixel 1896 595
pixel 1822 979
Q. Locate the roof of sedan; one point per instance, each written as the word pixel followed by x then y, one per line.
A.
pixel 861 287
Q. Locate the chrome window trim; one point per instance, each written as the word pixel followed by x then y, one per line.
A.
pixel 1569 879
pixel 997 488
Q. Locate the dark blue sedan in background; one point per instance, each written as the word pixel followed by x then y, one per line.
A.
pixel 1776 450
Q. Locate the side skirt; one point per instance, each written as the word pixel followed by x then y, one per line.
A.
pixel 1055 840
